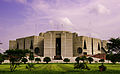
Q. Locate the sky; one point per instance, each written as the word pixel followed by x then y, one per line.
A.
pixel 94 18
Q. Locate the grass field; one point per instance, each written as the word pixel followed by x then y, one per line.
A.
pixel 60 69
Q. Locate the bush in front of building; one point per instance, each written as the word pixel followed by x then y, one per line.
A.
pixel 47 59
pixel 90 59
pixel 81 66
pixel 31 56
pixel 24 60
pixel 77 59
pixel 102 68
pixel 83 58
pixel 1 58
pixel 102 60
pixel 30 66
pixel 66 60
pixel 37 60
pixel 14 56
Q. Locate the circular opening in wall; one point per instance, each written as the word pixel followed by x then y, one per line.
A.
pixel 37 50
pixel 79 50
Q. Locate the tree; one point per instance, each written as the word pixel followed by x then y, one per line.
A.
pixel 102 60
pixel 66 60
pixel 108 57
pixel 14 56
pixel 90 59
pixel 102 67
pixel 77 59
pixel 114 44
pixel 37 60
pixel 1 58
pixel 47 59
pixel 83 58
pixel 24 60
pixel 115 58
pixel 31 57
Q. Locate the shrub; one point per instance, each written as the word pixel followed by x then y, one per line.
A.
pixel 14 56
pixel 115 58
pixel 81 66
pixel 102 68
pixel 102 60
pixel 30 66
pixel 24 60
pixel 83 58
pixel 90 59
pixel 108 57
pixel 66 60
pixel 47 59
pixel 77 59
pixel 31 57
pixel 37 60
pixel 1 58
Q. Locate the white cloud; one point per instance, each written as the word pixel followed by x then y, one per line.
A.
pixel 18 1
pixel 66 21
pixel 99 9
pixel 21 1
pixel 75 16
pixel 72 15
pixel 102 9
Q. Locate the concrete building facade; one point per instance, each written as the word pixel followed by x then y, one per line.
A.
pixel 60 44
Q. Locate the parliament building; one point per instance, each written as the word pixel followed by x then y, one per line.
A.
pixel 60 44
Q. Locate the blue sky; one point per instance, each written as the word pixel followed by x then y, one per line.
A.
pixel 95 18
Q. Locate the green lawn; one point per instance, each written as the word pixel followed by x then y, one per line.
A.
pixel 60 69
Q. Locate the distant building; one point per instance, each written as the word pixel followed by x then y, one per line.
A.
pixel 60 44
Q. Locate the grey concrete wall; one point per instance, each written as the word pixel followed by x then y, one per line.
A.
pixel 88 44
pixel 38 42
pixel 20 43
pixel 66 44
pixel 95 46
pixel 77 43
pixel 49 44
pixel 104 45
pixel 12 44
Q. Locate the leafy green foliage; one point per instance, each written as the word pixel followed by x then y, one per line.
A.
pixel 30 66
pixel 66 60
pixel 115 58
pixel 77 59
pixel 14 56
pixel 102 60
pixel 108 57
pixel 83 58
pixel 114 44
pixel 81 66
pixel 102 68
pixel 1 58
pixel 47 59
pixel 31 57
pixel 37 60
pixel 24 60
pixel 90 59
